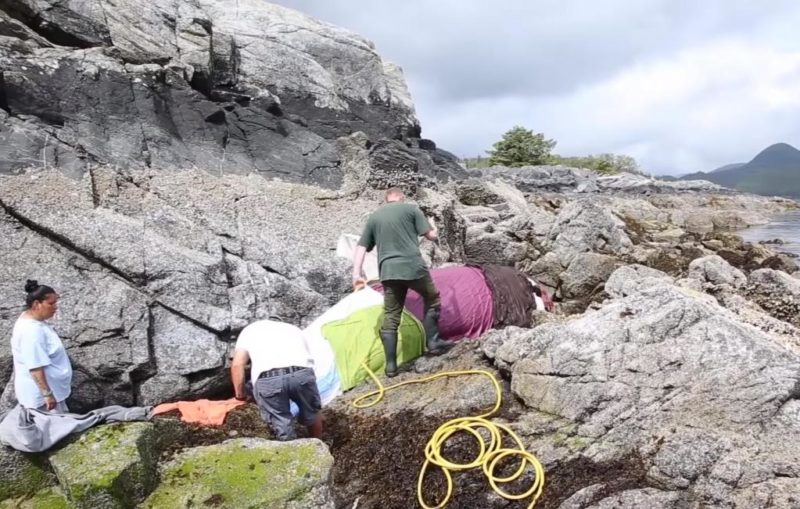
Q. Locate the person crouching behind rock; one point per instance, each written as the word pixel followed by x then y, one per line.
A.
pixel 42 371
pixel 281 371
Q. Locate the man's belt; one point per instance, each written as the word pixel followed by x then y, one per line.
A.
pixel 280 371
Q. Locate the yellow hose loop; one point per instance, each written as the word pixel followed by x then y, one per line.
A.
pixel 538 484
pixel 489 456
pixel 378 394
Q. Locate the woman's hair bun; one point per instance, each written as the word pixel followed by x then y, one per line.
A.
pixel 31 285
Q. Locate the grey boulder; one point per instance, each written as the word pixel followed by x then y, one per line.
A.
pixel 672 378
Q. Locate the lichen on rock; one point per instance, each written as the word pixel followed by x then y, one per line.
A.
pixel 108 466
pixel 247 472
pixel 48 498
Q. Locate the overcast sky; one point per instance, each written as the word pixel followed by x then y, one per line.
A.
pixel 681 85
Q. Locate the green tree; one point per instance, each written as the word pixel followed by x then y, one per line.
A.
pixel 616 163
pixel 521 147
pixel 605 164
pixel 627 163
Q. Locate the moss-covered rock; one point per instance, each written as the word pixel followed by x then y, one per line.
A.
pixel 48 498
pixel 109 466
pixel 22 474
pixel 247 472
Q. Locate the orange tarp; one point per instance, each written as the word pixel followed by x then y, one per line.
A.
pixel 202 411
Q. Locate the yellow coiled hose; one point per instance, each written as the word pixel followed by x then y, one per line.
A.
pixel 490 456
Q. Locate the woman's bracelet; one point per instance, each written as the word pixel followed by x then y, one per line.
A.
pixel 47 394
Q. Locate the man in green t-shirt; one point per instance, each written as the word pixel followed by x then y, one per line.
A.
pixel 395 228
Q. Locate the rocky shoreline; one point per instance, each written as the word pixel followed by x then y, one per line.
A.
pixel 196 174
pixel 673 341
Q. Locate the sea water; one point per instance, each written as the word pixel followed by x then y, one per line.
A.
pixel 785 227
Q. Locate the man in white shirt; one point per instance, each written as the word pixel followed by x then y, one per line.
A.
pixel 281 371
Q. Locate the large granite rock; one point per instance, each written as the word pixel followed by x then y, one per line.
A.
pixel 633 278
pixel 196 84
pixel 103 321
pixel 587 226
pixel 716 272
pixel 159 271
pixel 750 312
pixel 486 245
pixel 586 274
pixel 706 402
pixel 706 212
pixel 503 227
pixel 440 398
pixel 109 466
pixel 631 182
pixel 545 178
pixel 565 179
pixel 579 247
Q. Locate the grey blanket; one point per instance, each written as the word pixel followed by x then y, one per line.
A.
pixel 30 430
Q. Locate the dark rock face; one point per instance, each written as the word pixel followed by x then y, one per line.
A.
pixel 149 116
pixel 782 262
pixel 393 165
pixel 376 120
pixel 191 87
pixel 778 293
pixel 58 23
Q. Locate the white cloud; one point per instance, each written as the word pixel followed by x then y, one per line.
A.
pixel 682 86
pixel 699 108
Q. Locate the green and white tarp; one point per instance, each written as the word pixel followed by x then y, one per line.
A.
pixel 352 330
pixel 356 340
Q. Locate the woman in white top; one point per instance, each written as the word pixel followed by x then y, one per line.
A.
pixel 42 371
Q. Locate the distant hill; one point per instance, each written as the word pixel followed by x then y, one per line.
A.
pixel 774 171
pixel 731 166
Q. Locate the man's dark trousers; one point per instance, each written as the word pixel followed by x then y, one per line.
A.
pixel 394 298
pixel 274 391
